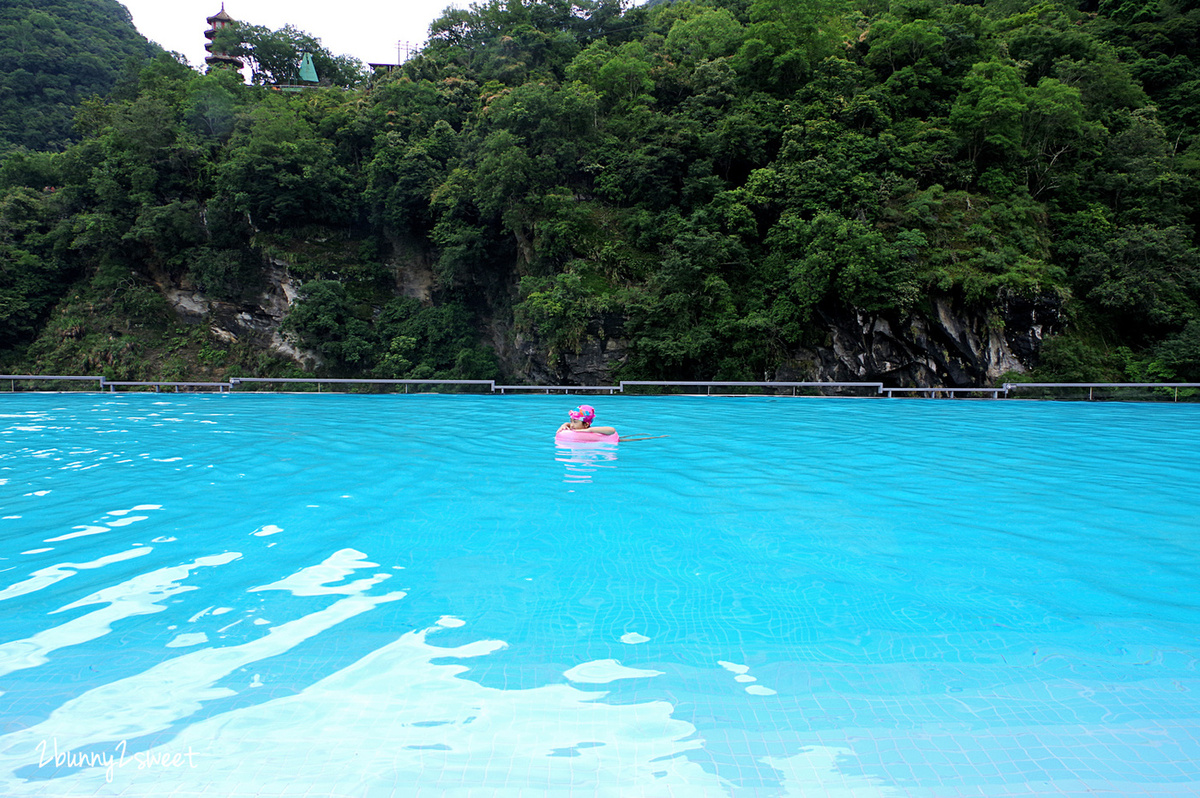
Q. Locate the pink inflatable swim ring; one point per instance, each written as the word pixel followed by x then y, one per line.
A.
pixel 582 436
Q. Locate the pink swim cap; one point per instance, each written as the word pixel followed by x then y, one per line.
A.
pixel 582 413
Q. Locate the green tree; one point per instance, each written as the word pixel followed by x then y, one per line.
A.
pixel 280 172
pixel 710 33
pixel 988 112
pixel 403 177
pixel 53 54
pixel 1146 278
pixel 32 275
pixel 213 102
pixel 274 56
pixel 1180 354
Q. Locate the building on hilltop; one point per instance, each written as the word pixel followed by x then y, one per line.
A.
pixel 404 51
pixel 219 59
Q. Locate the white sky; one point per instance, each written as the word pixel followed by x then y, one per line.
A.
pixel 365 29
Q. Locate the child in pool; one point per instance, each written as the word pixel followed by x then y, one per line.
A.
pixel 581 421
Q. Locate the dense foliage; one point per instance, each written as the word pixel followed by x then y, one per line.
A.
pixel 273 57
pixel 706 178
pixel 53 53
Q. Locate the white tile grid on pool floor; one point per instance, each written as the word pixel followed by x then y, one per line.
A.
pixel 864 744
pixel 1150 754
pixel 1132 759
pixel 1129 759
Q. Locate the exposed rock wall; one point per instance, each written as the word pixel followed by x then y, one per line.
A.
pixel 602 350
pixel 256 324
pixel 944 344
pixel 412 267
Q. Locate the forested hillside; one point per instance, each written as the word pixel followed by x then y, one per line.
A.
pixel 54 53
pixel 918 191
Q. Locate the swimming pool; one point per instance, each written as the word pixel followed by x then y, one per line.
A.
pixel 423 596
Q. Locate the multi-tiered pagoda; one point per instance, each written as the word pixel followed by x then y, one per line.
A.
pixel 219 59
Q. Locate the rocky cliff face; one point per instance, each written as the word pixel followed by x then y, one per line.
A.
pixel 602 350
pixel 946 343
pixel 256 324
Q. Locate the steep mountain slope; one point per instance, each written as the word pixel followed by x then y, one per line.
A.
pixel 53 53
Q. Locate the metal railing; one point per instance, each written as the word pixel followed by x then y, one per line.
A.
pixel 709 385
pixel 1092 386
pixel 112 385
pixel 12 378
pixel 563 388
pixel 490 386
pixel 235 381
pixel 932 391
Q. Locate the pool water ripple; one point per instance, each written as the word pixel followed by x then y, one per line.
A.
pixel 783 597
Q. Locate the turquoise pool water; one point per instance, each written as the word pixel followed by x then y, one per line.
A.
pixel 423 596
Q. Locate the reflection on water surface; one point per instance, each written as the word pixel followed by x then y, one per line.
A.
pixel 351 596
